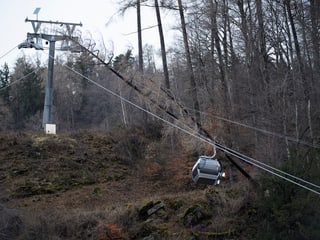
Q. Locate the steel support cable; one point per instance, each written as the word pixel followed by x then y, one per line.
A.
pixel 146 28
pixel 135 87
pixel 129 83
pixel 8 52
pixel 245 159
pixel 266 165
pixel 292 139
pixel 132 85
pixel 251 159
pixel 256 162
pixel 137 106
pixel 202 138
pixel 261 165
pixel 230 151
pixel 199 126
pixel 185 109
pixel 20 79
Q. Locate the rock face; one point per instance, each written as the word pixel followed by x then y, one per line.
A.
pixel 11 225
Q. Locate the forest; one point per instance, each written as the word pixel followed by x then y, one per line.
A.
pixel 247 71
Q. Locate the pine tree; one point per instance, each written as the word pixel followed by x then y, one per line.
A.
pixel 5 83
pixel 28 94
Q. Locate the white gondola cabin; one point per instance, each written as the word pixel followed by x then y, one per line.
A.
pixel 207 171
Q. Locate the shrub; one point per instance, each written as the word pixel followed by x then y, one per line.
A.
pixel 287 211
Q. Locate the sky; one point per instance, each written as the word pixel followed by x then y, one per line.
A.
pixel 100 20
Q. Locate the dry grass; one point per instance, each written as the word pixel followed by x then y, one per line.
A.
pixel 107 206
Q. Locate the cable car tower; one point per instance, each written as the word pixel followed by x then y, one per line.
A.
pixel 58 31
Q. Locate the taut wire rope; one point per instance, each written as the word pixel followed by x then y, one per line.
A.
pixel 225 149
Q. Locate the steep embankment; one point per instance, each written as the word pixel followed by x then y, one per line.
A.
pixel 129 184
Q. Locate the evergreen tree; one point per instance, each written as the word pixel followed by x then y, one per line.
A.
pixel 5 83
pixel 123 62
pixel 28 95
pixel 287 211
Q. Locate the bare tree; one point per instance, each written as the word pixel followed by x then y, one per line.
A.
pixel 193 85
pixel 125 5
pixel 297 49
pixel 139 37
pixel 163 46
pixel 315 38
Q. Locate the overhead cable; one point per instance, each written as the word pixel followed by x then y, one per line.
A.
pixel 223 148
pixel 255 163
pixel 274 134
pixel 207 138
pixel 20 79
pixel 261 164
pixel 8 52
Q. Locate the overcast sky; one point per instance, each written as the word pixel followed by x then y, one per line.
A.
pixel 93 14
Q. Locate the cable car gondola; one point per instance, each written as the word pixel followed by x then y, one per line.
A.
pixel 207 170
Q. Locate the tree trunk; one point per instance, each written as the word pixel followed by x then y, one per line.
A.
pixel 193 86
pixel 314 12
pixel 226 50
pixel 298 51
pixel 262 44
pixel 247 36
pixel 163 47
pixel 139 37
pixel 212 46
pixel 315 39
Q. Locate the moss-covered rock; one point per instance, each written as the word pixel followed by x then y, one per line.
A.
pixel 195 214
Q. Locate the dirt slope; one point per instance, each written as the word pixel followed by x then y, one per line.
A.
pixel 123 185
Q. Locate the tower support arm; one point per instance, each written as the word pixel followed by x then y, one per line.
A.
pixel 54 22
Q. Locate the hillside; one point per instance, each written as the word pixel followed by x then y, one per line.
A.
pixel 128 184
